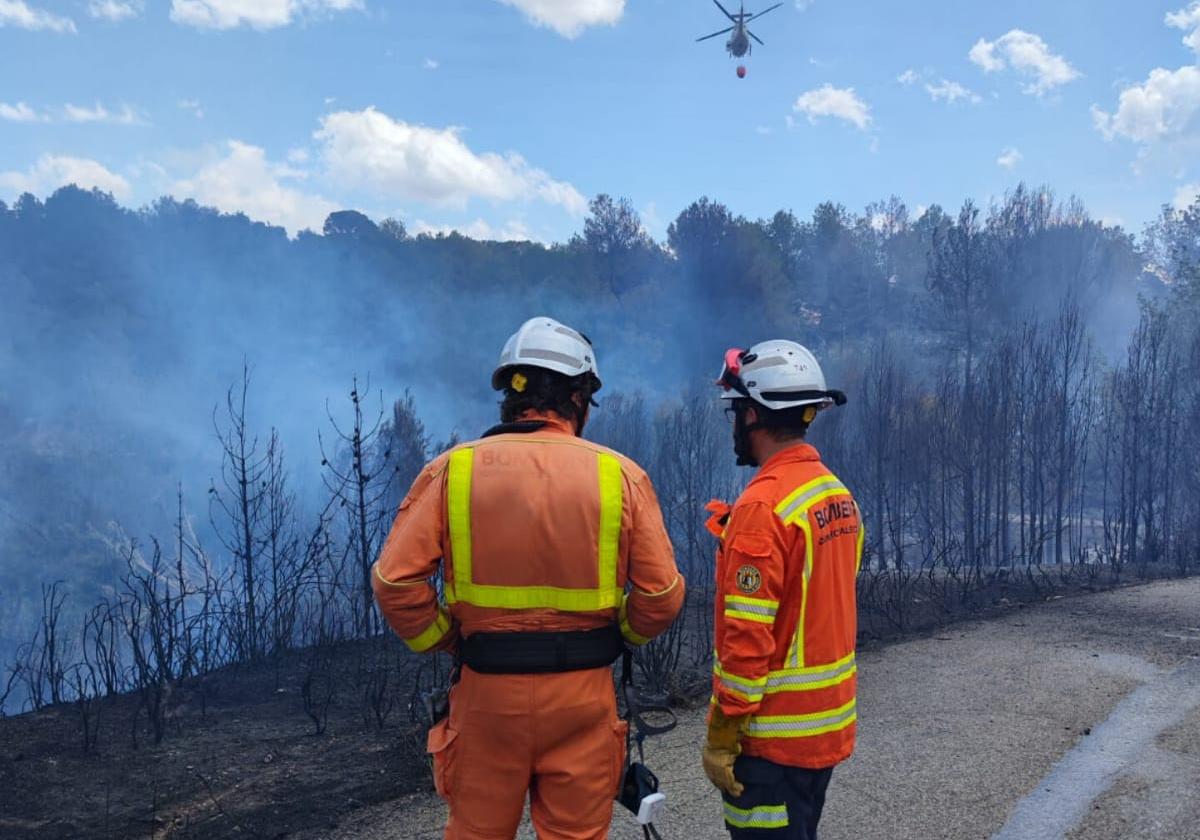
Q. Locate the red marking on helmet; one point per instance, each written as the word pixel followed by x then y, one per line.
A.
pixel 733 366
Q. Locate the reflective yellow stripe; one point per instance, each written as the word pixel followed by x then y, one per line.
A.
pixel 748 689
pixel 611 491
pixel 769 607
pixel 538 597
pixel 606 596
pixel 803 726
pixel 661 592
pixel 458 506
pixel 787 679
pixel 796 660
pixel 760 816
pixel 794 510
pixel 862 536
pixel 751 609
pixel 812 678
pixel 398 583
pixel 432 634
pixel 748 616
pixel 627 632
pixel 809 494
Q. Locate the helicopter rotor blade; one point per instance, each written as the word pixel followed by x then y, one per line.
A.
pixel 715 34
pixel 725 11
pixel 755 37
pixel 757 15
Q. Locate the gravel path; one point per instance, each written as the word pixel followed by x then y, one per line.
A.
pixel 1077 718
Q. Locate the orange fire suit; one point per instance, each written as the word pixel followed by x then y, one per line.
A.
pixel 539 531
pixel 785 615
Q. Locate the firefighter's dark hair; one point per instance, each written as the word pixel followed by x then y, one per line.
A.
pixel 545 390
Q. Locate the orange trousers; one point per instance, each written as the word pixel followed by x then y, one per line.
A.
pixel 554 736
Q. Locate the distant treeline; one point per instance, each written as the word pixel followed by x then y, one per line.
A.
pixel 1023 382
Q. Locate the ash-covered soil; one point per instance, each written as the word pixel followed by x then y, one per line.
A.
pixel 956 727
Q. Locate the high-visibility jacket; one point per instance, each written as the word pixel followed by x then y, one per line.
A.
pixel 532 532
pixel 786 619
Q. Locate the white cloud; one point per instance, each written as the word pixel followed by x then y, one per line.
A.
pixel 840 103
pixel 245 181
pixel 762 129
pixel 950 92
pixel 21 113
pixel 1185 19
pixel 908 77
pixel 257 14
pixel 1028 55
pixel 570 17
pixel 20 14
pixel 1186 196
pixel 1163 108
pixel 192 105
pixel 984 54
pixel 99 114
pixel 1009 158
pixel 54 171
pixel 431 64
pixel 513 230
pixel 114 10
pixel 371 150
pixel 1161 114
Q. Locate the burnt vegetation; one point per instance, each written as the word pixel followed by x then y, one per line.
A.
pixel 1024 423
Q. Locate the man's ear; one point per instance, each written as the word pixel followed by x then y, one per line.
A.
pixel 751 415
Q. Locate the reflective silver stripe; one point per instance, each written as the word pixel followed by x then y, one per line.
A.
pixel 551 356
pixel 741 685
pixel 827 483
pixel 800 725
pixel 757 609
pixel 777 682
pixel 760 816
pixel 753 695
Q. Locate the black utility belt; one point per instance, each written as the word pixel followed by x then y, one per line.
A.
pixel 541 652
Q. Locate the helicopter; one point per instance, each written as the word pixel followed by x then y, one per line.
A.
pixel 738 44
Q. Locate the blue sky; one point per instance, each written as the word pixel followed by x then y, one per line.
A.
pixel 501 117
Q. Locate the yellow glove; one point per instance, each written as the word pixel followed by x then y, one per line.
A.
pixel 722 748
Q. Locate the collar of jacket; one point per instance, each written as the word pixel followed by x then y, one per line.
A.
pixel 792 455
pixel 554 423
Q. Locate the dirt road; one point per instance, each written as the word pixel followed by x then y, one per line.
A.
pixel 1077 718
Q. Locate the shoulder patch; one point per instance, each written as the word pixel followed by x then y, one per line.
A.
pixel 749 579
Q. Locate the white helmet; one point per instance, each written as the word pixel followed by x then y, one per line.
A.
pixel 776 374
pixel 545 343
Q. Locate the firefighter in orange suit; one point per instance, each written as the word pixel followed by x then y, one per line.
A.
pixel 783 709
pixel 553 555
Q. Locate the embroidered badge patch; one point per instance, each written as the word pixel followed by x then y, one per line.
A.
pixel 749 579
